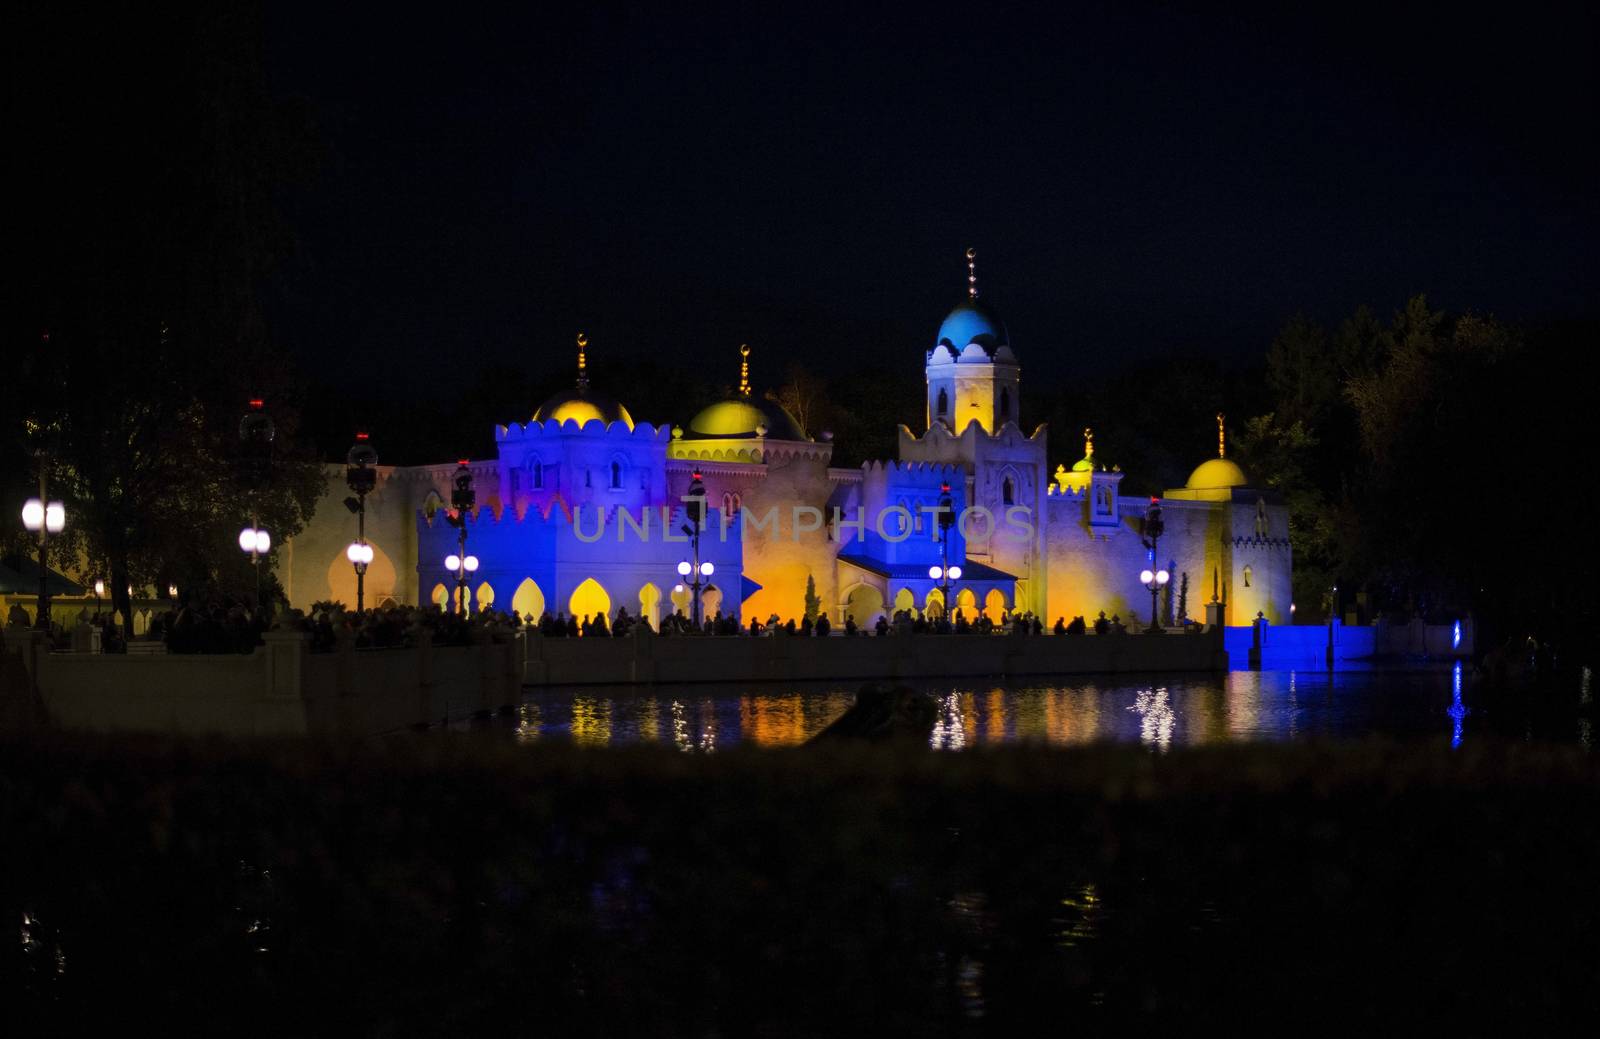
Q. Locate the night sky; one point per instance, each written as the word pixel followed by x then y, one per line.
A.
pixel 1138 180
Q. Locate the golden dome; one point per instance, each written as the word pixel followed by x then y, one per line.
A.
pixel 1216 474
pixel 582 407
pixel 742 419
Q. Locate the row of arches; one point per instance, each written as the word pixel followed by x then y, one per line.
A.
pixel 587 599
pixel 865 603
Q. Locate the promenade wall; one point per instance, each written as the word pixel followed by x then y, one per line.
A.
pixel 285 689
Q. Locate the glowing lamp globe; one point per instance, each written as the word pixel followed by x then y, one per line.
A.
pixel 452 562
pixel 471 563
pixel 33 514
pixel 955 573
pixel 685 568
pixel 1145 577
pixel 99 588
pixel 935 572
pixel 1162 577
pixel 706 569
pixel 358 553
pixel 247 539
pixel 55 517
pixel 263 542
pixel 172 591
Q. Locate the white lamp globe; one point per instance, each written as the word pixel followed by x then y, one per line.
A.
pixel 263 542
pixel 1145 577
pixel 99 588
pixel 935 572
pixel 247 539
pixel 472 564
pixel 353 553
pixel 684 568
pixel 366 553
pixel 706 569
pixel 955 573
pixel 55 517
pixel 33 514
pixel 172 591
pixel 1162 577
pixel 452 562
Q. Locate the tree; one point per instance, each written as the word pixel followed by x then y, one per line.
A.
pixel 804 396
pixel 813 604
pixel 152 229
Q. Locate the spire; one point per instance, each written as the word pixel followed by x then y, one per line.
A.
pixel 972 273
pixel 744 370
pixel 1088 442
pixel 1222 436
pixel 583 364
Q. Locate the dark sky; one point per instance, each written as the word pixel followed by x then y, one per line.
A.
pixel 1138 179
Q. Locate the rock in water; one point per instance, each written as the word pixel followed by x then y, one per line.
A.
pixel 882 715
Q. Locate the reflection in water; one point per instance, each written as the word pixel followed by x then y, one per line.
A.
pixel 1173 711
pixel 1458 710
pixel 591 721
pixel 1156 718
pixel 1080 917
pixel 529 724
pixel 949 732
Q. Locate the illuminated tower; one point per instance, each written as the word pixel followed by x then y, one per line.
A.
pixel 972 373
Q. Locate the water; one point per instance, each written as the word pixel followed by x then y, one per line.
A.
pixel 1158 711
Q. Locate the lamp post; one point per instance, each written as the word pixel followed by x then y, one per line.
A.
pixel 1151 527
pixel 947 519
pixel 462 565
pixel 44 517
pixel 695 499
pixel 257 543
pixel 1333 611
pixel 361 476
pixel 462 499
pixel 256 432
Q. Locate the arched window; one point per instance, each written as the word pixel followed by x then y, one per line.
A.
pixel 536 472
pixel 1248 573
pixel 1008 492
pixel 1005 404
pixel 588 477
pixel 616 476
pixel 944 404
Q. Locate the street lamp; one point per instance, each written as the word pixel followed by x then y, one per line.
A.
pixel 948 573
pixel 1151 527
pixel 362 477
pixel 256 433
pixel 695 498
pixel 44 517
pixel 1155 581
pixel 945 574
pixel 462 565
pixel 462 499
pixel 258 543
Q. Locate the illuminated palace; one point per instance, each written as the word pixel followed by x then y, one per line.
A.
pixel 581 512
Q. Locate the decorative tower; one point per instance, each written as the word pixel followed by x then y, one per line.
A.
pixel 972 373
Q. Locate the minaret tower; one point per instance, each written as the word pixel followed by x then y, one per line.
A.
pixel 972 373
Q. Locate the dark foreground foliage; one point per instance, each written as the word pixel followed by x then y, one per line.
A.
pixel 450 885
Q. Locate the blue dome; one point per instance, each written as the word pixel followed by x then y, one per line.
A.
pixel 973 322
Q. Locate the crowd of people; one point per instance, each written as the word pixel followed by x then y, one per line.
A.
pixel 234 626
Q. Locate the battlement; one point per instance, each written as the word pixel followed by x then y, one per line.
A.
pixel 594 427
